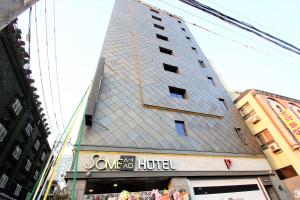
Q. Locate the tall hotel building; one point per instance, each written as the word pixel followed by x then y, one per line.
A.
pixel 158 117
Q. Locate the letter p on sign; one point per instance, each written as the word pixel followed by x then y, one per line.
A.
pixel 228 163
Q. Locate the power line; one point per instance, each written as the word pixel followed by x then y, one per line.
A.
pixel 48 65
pixel 40 69
pixel 243 25
pixel 55 57
pixel 227 29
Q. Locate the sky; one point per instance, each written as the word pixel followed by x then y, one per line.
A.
pixel 81 25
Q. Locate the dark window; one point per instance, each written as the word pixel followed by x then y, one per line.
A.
pixel 194 49
pixel 179 21
pixel 223 104
pixel 286 172
pixel 183 29
pixel 241 135
pixel 201 63
pixel 211 80
pixel 170 68
pixel 159 27
pixel 157 18
pixel 156 11
pixel 162 37
pixel 247 111
pixel 3 132
pixel 224 189
pixel 188 38
pixel 165 50
pixel 177 92
pixel 180 128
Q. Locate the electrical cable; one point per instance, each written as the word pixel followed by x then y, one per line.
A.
pixel 243 25
pixel 40 69
pixel 227 29
pixel 55 57
pixel 48 65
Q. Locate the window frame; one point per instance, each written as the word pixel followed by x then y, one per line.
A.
pixel 28 129
pixel 28 165
pixel 37 147
pixel 166 50
pixel 3 181
pixel 178 93
pixel 16 107
pixel 171 68
pixel 3 132
pixel 181 131
pixel 156 18
pixel 223 104
pixel 162 37
pixel 17 152
pixel 159 26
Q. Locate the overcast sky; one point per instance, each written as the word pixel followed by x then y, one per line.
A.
pixel 81 26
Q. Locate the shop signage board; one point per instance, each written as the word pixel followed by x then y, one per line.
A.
pixel 291 122
pixel 128 163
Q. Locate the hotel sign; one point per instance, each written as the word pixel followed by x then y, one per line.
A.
pixel 290 121
pixel 128 163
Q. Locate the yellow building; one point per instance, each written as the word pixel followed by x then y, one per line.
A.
pixel 275 122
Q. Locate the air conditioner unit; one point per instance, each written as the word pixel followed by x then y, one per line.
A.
pixel 254 119
pixel 274 147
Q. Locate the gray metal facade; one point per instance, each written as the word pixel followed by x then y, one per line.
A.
pixel 135 109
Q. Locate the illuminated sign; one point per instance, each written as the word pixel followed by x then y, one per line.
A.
pixel 291 122
pixel 127 163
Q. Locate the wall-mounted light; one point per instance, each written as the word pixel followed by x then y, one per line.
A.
pixel 91 190
pixel 115 185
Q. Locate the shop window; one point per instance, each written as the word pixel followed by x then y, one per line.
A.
pixel 170 68
pixel 157 18
pixel 159 27
pixel 3 132
pixel 162 37
pixel 151 9
pixel 43 156
pixel 286 172
pixel 183 29
pixel 188 38
pixel 246 111
pixel 28 129
pixel 264 138
pixel 201 63
pixel 165 50
pixel 36 174
pixel 28 165
pixel 180 128
pixel 17 152
pixel 223 104
pixel 17 107
pixel 18 190
pixel 37 145
pixel 177 92
pixel 194 49
pixel 211 80
pixel 241 135
pixel 3 181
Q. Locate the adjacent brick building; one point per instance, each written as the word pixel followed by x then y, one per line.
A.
pixel 24 148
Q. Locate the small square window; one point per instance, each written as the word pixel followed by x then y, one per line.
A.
pixel 165 50
pixel 177 92
pixel 194 49
pixel 170 68
pixel 159 27
pixel 18 190
pixel 162 37
pixel 156 11
pixel 180 128
pixel 36 174
pixel 157 18
pixel 17 152
pixel 3 181
pixel 3 132
pixel 28 165
pixel 37 145
pixel 223 104
pixel 201 63
pixel 241 135
pixel 17 107
pixel 211 80
pixel 183 29
pixel 179 21
pixel 28 129
pixel 43 156
pixel 188 38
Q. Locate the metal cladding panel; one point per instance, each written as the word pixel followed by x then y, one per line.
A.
pixel 135 109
